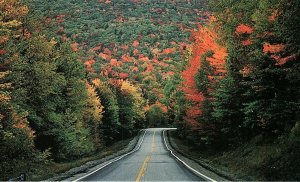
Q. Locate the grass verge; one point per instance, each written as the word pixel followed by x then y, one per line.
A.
pixel 253 160
pixel 55 168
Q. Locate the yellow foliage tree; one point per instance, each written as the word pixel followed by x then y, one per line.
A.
pixel 93 114
pixel 12 12
pixel 94 106
pixel 138 101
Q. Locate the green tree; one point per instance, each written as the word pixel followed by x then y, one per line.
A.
pixel 156 117
pixel 136 104
pixel 48 83
pixel 111 123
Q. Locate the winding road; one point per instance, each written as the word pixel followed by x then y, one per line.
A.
pixel 152 161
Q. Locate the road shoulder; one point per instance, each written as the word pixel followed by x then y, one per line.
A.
pixel 77 172
pixel 199 166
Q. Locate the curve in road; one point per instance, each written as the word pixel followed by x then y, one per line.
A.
pixel 151 162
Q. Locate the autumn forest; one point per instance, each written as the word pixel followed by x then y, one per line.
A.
pixel 79 76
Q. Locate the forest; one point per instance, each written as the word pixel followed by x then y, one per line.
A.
pixel 78 76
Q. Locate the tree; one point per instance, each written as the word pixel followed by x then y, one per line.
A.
pixel 93 114
pixel 156 116
pixel 262 53
pixel 16 136
pixel 49 84
pixel 133 94
pixel 111 123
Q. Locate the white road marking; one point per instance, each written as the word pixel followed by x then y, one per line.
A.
pixel 139 146
pixel 185 164
pixel 115 160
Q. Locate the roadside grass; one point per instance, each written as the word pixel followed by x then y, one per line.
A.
pixel 47 171
pixel 253 160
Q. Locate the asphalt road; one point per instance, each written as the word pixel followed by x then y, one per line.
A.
pixel 152 162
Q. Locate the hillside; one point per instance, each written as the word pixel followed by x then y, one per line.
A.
pixel 79 77
pixel 143 41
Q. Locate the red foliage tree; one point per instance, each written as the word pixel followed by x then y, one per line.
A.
pixel 89 65
pixel 205 39
pixel 169 50
pixel 104 56
pixel 113 62
pixel 123 75
pixel 135 43
pixel 107 51
pixel 275 48
pixel 126 58
pixel 2 51
pixel 135 52
pixel 74 46
pixel 135 69
pixel 149 68
pixel 246 42
pixel 244 29
pixel 60 18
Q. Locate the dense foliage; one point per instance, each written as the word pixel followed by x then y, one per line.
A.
pixel 243 76
pixel 76 76
pixel 126 39
pixel 50 108
pixel 242 80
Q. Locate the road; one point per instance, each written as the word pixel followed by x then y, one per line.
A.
pixel 152 162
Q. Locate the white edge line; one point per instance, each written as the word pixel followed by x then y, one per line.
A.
pixel 115 160
pixel 189 167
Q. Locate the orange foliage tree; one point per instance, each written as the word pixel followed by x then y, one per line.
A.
pixel 205 40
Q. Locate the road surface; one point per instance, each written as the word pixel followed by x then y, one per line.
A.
pixel 152 162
